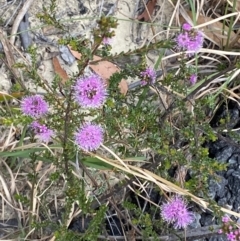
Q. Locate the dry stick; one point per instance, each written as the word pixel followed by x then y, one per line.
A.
pixel 111 200
pixel 88 174
pixel 18 19
pixel 10 58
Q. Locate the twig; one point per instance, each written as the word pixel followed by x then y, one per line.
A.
pixel 10 58
pixel 123 217
pixel 18 19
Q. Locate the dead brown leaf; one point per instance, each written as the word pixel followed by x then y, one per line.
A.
pixel 215 32
pixel 123 86
pixel 75 53
pixel 59 70
pixel 104 69
pixel 147 13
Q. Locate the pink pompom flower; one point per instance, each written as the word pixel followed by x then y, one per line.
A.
pixel 186 27
pixel 175 211
pixel 190 39
pixel 90 91
pixel 34 106
pixel 107 41
pixel 89 137
pixel 42 132
pixel 148 76
pixel 231 236
pixel 193 79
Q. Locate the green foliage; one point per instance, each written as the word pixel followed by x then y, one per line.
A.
pixel 91 234
pixel 132 124
pixel 143 221
pixel 48 16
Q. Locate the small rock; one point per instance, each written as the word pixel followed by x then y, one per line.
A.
pixel 5 83
pixel 82 8
pixel 218 238
pixel 233 159
pixel 66 55
pixel 207 219
pixel 236 204
pixel 224 154
pixel 107 8
pixel 234 118
pixel 229 172
pixel 236 174
pixel 196 222
pixel 222 202
pixel 217 186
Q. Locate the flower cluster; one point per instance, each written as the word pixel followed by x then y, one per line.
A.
pixel 42 132
pixel 175 211
pixel 232 233
pixel 148 76
pixel 36 107
pixel 89 137
pixel 90 91
pixel 189 39
pixel 107 41
pixel 193 79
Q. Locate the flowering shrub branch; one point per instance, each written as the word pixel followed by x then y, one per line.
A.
pixel 87 116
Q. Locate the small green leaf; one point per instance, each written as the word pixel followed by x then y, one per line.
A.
pixel 96 163
pixel 21 153
pixel 136 159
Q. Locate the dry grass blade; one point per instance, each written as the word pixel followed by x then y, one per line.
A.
pixel 233 95
pixel 222 87
pixel 146 199
pixel 116 156
pixel 13 181
pixel 41 182
pixel 37 145
pixel 9 142
pixel 10 58
pixel 14 95
pixel 162 183
pixel 19 18
pixel 219 52
pixel 6 189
